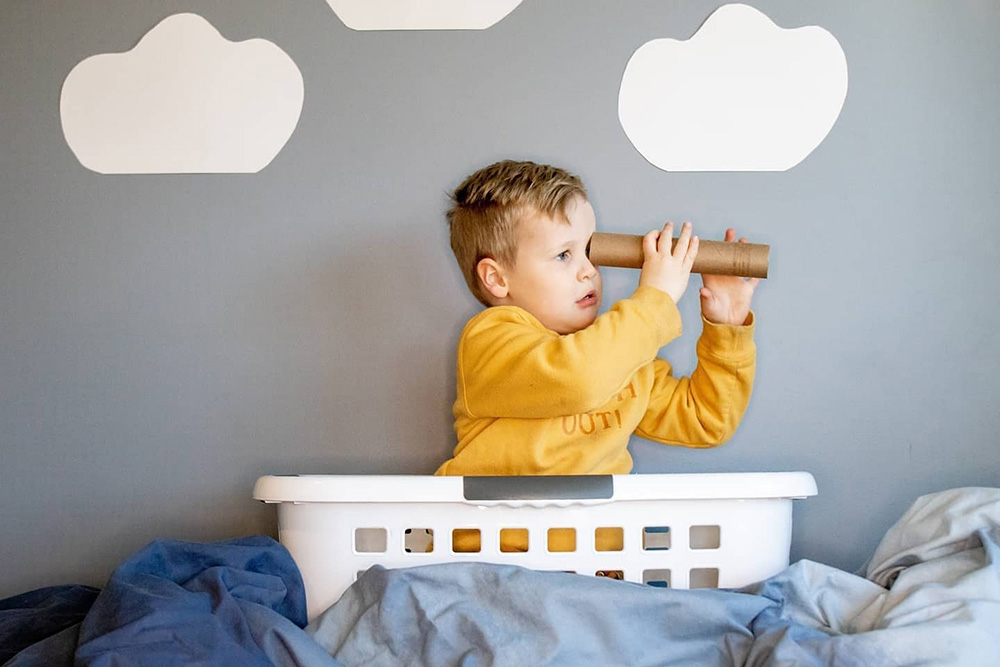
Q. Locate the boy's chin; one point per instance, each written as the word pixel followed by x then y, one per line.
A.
pixel 576 325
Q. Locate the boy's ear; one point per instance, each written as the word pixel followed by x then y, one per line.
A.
pixel 492 278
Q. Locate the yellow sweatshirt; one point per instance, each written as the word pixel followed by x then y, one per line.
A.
pixel 533 402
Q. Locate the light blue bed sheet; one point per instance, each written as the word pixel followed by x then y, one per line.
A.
pixel 930 595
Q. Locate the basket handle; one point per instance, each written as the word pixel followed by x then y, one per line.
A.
pixel 542 487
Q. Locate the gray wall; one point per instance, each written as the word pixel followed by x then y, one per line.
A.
pixel 164 340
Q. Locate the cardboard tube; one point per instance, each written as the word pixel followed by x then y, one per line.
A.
pixel 748 260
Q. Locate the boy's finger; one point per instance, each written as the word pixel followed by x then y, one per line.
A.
pixel 683 241
pixel 730 235
pixel 666 238
pixel 649 243
pixel 692 252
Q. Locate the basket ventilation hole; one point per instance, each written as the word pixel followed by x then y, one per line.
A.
pixel 704 577
pixel 656 538
pixel 609 539
pixel 466 540
pixel 370 540
pixel 705 537
pixel 562 539
pixel 657 578
pixel 514 540
pixel 418 540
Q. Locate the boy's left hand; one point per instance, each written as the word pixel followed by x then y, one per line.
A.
pixel 726 299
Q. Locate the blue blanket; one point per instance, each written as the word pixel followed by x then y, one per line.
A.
pixel 930 595
pixel 240 602
pixel 33 617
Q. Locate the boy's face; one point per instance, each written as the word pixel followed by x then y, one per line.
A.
pixel 552 277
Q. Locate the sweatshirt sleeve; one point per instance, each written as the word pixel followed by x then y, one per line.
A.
pixel 509 365
pixel 705 409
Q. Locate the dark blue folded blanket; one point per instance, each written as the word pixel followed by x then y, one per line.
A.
pixel 29 618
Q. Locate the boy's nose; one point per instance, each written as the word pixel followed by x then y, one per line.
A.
pixel 587 269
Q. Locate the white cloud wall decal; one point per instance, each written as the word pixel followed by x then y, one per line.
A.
pixel 421 14
pixel 184 100
pixel 741 95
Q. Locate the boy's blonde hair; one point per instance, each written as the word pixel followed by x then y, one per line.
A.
pixel 489 204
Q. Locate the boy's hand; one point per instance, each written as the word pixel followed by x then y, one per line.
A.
pixel 665 269
pixel 726 299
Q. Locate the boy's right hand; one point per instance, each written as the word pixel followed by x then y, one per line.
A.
pixel 664 269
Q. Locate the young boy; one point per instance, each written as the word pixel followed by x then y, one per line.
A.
pixel 545 386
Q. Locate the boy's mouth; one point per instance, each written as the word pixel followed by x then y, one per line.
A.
pixel 588 300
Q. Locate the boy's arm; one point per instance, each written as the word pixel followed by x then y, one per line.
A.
pixel 511 366
pixel 704 410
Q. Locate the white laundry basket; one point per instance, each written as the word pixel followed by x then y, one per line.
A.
pixel 679 530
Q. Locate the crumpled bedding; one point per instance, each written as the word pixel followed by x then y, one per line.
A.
pixel 35 616
pixel 238 602
pixel 929 595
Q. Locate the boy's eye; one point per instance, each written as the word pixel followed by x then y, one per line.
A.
pixel 563 256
